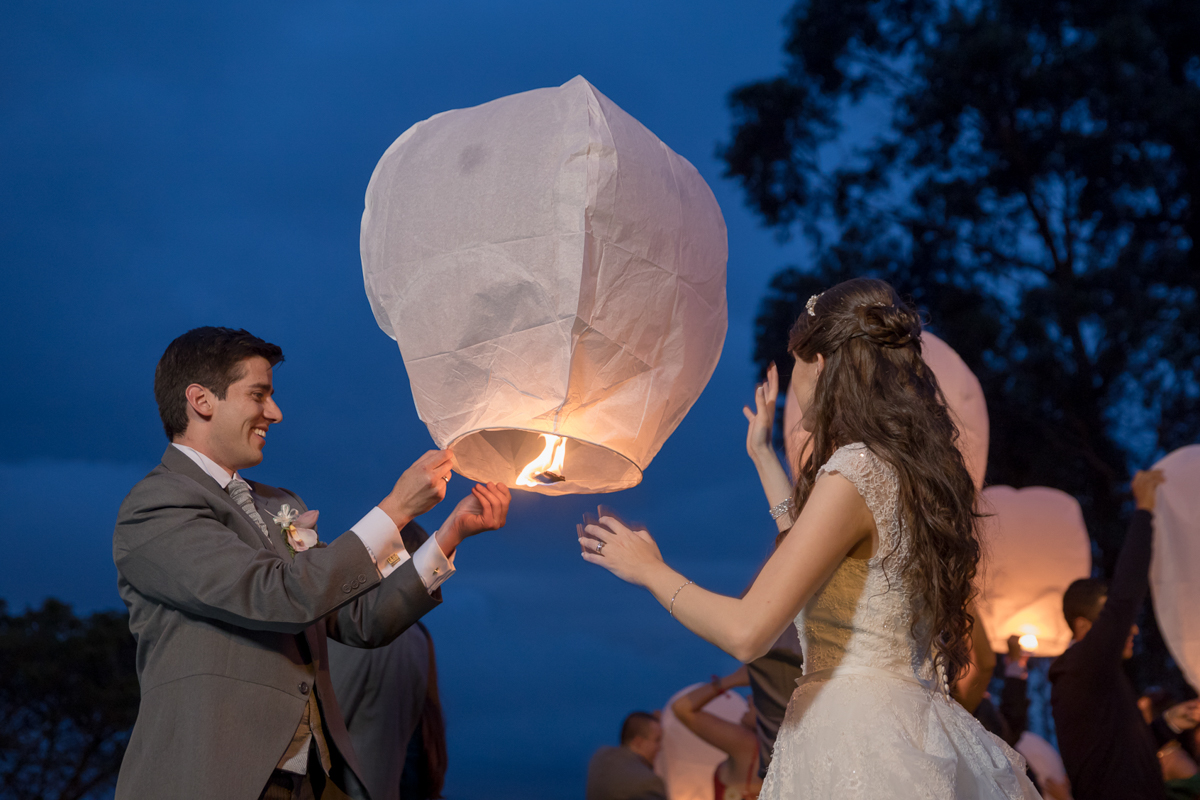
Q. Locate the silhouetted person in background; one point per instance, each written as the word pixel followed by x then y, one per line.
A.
pixel 389 698
pixel 627 772
pixel 1107 748
pixel 772 681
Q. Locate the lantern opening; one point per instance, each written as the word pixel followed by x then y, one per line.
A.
pixel 546 463
pixel 1028 642
pixel 547 468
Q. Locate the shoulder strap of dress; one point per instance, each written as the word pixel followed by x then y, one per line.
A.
pixel 871 476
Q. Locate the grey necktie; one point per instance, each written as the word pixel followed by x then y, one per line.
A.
pixel 239 490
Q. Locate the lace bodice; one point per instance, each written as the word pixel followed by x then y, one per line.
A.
pixel 863 614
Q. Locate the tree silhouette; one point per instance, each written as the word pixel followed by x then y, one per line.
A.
pixel 68 700
pixel 1031 187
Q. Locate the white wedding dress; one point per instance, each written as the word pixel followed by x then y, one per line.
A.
pixel 870 719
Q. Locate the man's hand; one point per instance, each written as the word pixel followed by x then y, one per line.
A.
pixel 1145 487
pixel 1016 653
pixel 420 488
pixel 484 509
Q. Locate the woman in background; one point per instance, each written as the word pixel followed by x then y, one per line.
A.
pixel 735 778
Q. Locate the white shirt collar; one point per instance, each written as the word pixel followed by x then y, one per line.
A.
pixel 212 468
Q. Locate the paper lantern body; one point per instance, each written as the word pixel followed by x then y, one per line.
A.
pixel 1034 545
pixel 1175 564
pixel 964 397
pixel 686 762
pixel 547 266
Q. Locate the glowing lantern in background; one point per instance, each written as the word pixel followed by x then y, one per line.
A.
pixel 686 762
pixel 1034 545
pixel 555 278
pixel 1175 564
pixel 963 394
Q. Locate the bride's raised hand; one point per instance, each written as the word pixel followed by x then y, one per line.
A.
pixel 627 553
pixel 762 418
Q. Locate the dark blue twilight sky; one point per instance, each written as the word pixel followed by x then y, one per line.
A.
pixel 172 165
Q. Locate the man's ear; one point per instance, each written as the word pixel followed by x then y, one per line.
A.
pixel 201 401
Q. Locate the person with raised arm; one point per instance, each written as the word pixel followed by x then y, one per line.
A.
pixel 232 597
pixel 875 565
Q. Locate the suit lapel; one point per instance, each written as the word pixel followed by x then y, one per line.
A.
pixel 176 461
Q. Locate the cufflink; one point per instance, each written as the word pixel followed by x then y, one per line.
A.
pixel 436 570
pixel 393 559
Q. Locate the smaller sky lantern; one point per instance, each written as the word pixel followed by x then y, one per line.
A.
pixel 1175 565
pixel 963 394
pixel 1034 545
pixel 686 762
pixel 555 278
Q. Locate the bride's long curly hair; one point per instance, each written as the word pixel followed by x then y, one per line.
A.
pixel 876 389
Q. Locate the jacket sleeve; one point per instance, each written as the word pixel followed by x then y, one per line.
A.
pixel 1127 590
pixel 170 545
pixel 377 617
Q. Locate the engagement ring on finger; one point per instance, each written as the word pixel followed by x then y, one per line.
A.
pixel 446 478
pixel 599 547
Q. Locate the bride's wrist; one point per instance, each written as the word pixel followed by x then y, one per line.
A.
pixel 762 456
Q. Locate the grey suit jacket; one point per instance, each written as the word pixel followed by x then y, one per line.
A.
pixel 618 773
pixel 231 634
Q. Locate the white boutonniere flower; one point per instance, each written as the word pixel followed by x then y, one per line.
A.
pixel 300 529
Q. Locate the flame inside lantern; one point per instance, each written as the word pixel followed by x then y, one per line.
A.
pixel 547 468
pixel 1028 642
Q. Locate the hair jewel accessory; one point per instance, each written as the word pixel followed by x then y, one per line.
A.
pixel 811 305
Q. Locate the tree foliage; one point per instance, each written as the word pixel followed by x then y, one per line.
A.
pixel 68 700
pixel 1030 185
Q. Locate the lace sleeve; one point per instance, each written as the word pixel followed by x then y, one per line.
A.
pixel 876 482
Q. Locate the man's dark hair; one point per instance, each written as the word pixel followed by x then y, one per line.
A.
pixel 1082 599
pixel 637 724
pixel 211 357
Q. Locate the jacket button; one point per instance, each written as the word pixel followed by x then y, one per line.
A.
pixel 346 588
pixel 354 585
pixel 303 687
pixel 362 578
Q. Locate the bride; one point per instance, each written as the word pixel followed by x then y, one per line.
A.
pixel 874 563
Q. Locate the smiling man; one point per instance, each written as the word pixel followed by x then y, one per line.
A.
pixel 232 606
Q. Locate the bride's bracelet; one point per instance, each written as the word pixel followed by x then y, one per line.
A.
pixel 785 507
pixel 671 608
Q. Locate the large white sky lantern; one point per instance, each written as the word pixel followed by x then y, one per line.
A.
pixel 1034 545
pixel 555 278
pixel 963 394
pixel 1175 564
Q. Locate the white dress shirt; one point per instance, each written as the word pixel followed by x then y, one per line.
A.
pixel 376 531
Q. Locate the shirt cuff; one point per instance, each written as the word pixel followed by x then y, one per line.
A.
pixel 382 539
pixel 433 567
